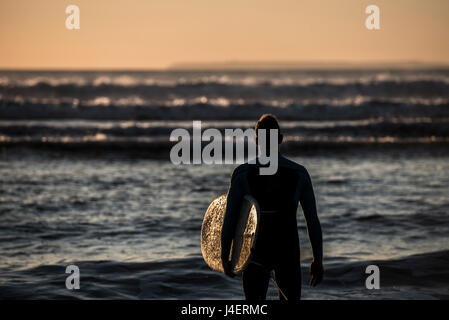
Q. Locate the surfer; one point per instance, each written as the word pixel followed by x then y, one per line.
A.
pixel 276 250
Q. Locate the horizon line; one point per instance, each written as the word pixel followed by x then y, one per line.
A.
pixel 247 65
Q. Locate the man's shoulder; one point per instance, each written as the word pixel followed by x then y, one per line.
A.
pixel 284 162
pixel 290 164
pixel 241 170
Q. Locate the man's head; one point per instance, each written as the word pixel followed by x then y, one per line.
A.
pixel 268 122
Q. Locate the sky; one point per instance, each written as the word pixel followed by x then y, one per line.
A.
pixel 153 34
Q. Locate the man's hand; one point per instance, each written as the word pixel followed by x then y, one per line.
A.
pixel 317 271
pixel 228 268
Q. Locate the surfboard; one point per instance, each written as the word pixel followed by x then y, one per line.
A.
pixel 244 238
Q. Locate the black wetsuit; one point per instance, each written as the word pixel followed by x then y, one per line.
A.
pixel 277 244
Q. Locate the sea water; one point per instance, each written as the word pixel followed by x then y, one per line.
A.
pixel 86 179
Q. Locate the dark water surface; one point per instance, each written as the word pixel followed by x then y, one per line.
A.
pixel 85 178
pixel 133 226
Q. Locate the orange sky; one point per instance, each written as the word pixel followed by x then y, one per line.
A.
pixel 145 34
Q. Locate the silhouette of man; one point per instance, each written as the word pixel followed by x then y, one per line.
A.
pixel 277 246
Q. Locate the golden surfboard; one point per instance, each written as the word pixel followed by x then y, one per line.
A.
pixel 244 238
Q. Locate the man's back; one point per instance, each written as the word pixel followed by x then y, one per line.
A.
pixel 277 237
pixel 278 196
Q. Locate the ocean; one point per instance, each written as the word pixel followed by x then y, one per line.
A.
pixel 86 179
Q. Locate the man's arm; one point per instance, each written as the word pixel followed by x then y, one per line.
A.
pixel 308 204
pixel 236 193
